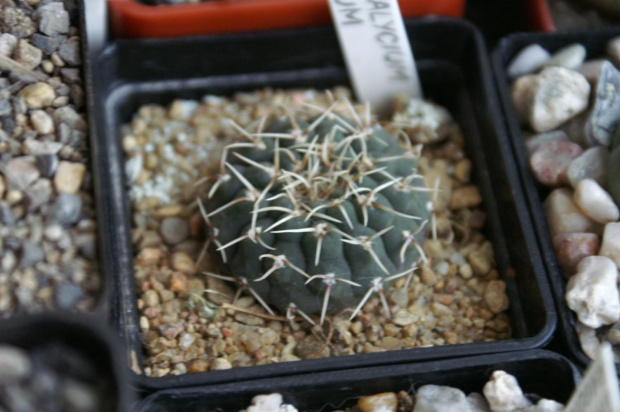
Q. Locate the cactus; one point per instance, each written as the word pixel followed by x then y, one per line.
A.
pixel 313 216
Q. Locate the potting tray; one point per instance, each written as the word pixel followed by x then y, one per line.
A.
pixel 454 71
pixel 78 347
pixel 133 18
pixel 595 42
pixel 540 374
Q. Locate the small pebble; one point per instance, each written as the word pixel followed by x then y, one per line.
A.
pixel 38 95
pixel 551 160
pixel 605 112
pixel 528 60
pixel 610 246
pixel 613 50
pixel 434 398
pixel 42 122
pixel 592 70
pixel 521 92
pixel 558 95
pixel 495 296
pixel 28 55
pixel 593 292
pixel 564 216
pixel 504 393
pixel 468 196
pixel 592 164
pixel 66 211
pixel 67 294
pixel 53 19
pixel 69 177
pixel 572 248
pixel 381 402
pixel 174 230
pixel 534 142
pixel 569 57
pixel 595 202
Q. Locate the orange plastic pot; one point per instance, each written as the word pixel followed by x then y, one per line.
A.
pixel 541 15
pixel 130 18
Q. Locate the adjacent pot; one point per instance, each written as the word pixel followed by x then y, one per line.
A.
pixel 595 41
pixel 454 71
pixel 540 374
pixel 75 347
pixel 135 18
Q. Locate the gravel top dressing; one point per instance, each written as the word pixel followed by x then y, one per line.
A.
pixel 47 216
pixel 202 308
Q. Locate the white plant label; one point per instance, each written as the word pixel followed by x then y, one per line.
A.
pixel 598 390
pixel 376 50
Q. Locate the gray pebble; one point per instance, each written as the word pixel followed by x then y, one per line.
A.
pixel 31 255
pixel 86 245
pixel 174 230
pixel 7 44
pixel 71 76
pixel 39 194
pixel 67 294
pixel 537 140
pixel 71 118
pixel 15 364
pixel 46 43
pixel 5 107
pixel 47 164
pixel 53 19
pixel 70 51
pixel 33 146
pixel 20 172
pixel 593 164
pixel 434 398
pixel 569 57
pixel 67 210
pixel 606 107
pixel 528 60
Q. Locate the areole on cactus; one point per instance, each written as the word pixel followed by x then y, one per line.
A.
pixel 316 215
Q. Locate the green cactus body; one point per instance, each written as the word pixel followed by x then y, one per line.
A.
pixel 310 212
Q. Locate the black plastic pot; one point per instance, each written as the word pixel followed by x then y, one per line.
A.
pixel 455 72
pixel 540 374
pixel 75 346
pixel 595 42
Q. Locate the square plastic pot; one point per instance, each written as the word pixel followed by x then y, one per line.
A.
pixel 595 41
pixel 455 72
pixel 540 374
pixel 134 18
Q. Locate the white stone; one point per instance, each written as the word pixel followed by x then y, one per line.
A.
pixel 595 202
pixel 587 339
pixel 592 164
pixel 7 44
pixel 537 140
pixel 613 50
pixel 42 122
pixel 593 292
pixel 528 60
pixel 558 95
pixel 504 393
pixel 53 19
pixel 610 247
pixel 434 398
pixel 15 364
pixel 521 93
pixel 570 57
pixel 428 122
pixel 564 216
pixel 269 403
